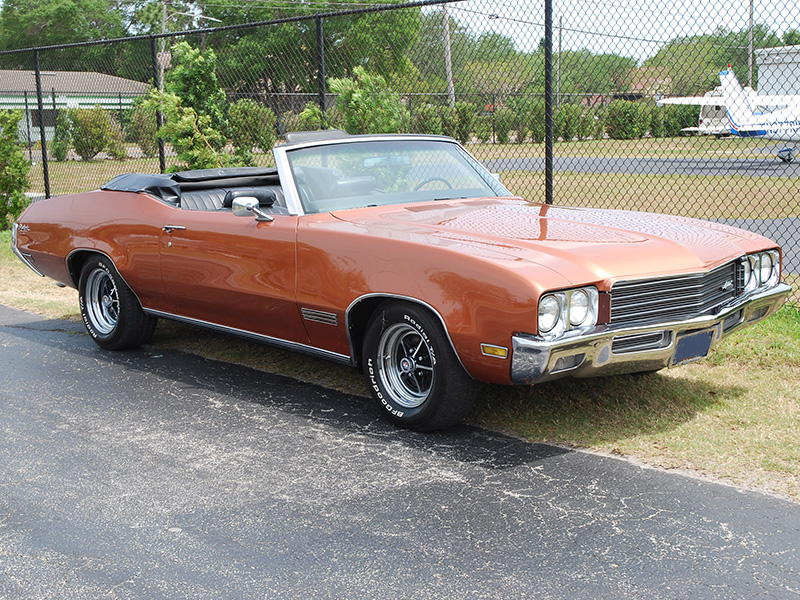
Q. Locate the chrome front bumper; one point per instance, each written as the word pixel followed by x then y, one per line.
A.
pixel 609 351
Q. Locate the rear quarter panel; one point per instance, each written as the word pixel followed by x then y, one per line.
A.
pixel 124 226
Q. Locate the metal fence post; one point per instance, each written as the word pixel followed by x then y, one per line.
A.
pixel 162 160
pixel 28 127
pixel 321 69
pixel 548 101
pixel 43 141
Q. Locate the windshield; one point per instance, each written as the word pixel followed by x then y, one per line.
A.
pixel 378 173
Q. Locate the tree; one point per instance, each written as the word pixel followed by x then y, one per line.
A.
pixel 288 51
pixel 48 22
pixel 791 37
pixel 193 79
pixel 198 144
pixel 694 62
pixel 585 73
pixel 367 104
pixel 427 53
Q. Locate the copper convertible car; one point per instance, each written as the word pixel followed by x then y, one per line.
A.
pixel 401 256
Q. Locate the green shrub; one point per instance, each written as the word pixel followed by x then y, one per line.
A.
pixel 569 117
pixel 535 119
pixel 251 125
pixel 658 128
pixel 13 169
pixel 143 129
pixel 521 124
pixel 91 131
pixel 483 128
pixel 287 122
pixel 466 114
pixel 503 123
pixel 310 118
pixel 449 118
pixel 599 117
pixel 116 140
pixel 426 119
pixel 62 138
pixel 367 104
pixel 626 120
pixel 679 117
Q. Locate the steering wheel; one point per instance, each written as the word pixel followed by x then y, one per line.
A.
pixel 432 179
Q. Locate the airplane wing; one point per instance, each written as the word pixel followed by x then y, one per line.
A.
pixel 777 100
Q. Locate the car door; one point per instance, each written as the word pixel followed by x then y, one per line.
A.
pixel 233 271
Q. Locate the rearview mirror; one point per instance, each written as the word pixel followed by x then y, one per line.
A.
pixel 387 161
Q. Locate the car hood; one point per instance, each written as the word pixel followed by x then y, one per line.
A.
pixel 582 244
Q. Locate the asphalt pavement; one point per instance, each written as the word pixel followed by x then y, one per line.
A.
pixel 769 166
pixel 158 474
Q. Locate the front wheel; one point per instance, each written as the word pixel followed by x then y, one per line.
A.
pixel 412 371
pixel 110 310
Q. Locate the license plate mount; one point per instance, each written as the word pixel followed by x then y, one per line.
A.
pixel 692 347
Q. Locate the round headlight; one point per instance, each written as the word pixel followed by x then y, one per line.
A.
pixel 765 268
pixel 578 307
pixel 549 313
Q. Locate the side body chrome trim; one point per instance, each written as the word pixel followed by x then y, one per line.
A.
pixel 353 350
pixel 319 316
pixel 257 337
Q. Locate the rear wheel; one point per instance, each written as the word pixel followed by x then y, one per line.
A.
pixel 111 312
pixel 412 371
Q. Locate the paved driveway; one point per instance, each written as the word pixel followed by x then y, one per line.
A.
pixel 149 474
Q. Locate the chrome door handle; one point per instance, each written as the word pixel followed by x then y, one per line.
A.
pixel 171 228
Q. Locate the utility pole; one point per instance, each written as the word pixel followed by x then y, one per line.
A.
pixel 448 61
pixel 163 42
pixel 750 50
pixel 558 63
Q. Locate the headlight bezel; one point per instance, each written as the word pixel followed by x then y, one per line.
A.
pixel 754 275
pixel 566 320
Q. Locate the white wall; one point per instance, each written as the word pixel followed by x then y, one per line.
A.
pixel 778 70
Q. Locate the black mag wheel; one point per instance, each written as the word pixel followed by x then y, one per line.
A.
pixel 110 310
pixel 412 371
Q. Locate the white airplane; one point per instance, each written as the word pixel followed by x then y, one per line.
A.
pixel 783 123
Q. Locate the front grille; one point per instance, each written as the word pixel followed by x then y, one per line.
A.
pixel 675 298
pixel 641 342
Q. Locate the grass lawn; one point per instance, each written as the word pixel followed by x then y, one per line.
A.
pixel 733 417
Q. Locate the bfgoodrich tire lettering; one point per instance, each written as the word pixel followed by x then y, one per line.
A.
pixel 411 370
pixel 110 310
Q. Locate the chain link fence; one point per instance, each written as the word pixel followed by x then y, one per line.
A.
pixel 476 70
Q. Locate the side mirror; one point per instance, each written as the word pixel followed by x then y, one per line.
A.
pixel 244 206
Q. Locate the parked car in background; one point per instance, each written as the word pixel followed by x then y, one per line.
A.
pixel 401 256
